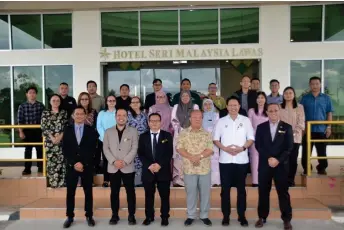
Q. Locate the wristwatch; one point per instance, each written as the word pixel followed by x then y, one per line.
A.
pixel 244 148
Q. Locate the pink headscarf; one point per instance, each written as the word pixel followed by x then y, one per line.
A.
pixel 163 109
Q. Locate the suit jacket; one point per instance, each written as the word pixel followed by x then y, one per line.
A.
pixel 251 98
pixel 83 152
pixel 163 157
pixel 125 150
pixel 280 147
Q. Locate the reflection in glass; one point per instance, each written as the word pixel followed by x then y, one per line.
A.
pixel 5 104
pixel 119 29
pixel 57 29
pixel 54 75
pixel 4 35
pixel 334 23
pixel 200 78
pixel 334 87
pixel 240 25
pixel 306 23
pixel 26 31
pixel 301 72
pixel 117 77
pixel 159 28
pixel 199 27
pixel 24 77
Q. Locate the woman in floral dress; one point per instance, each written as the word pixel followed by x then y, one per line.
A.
pixel 52 124
pixel 137 119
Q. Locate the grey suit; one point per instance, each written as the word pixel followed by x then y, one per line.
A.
pixel 126 150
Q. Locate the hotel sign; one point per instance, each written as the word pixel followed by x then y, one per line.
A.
pixel 179 54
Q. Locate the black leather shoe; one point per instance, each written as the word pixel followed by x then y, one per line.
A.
pixel 131 220
pixel 188 222
pixel 164 222
pixel 147 221
pixel 68 222
pixel 90 221
pixel 243 222
pixel 207 222
pixel 114 220
pixel 26 172
pixel 225 221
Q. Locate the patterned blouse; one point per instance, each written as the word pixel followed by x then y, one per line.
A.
pixel 195 142
pixel 295 118
pixel 139 122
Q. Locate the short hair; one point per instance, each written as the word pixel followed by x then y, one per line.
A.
pixel 278 105
pixel 31 88
pixel 194 111
pixel 314 78
pixel 232 98
pixel 274 80
pixel 124 85
pixel 245 76
pixel 211 84
pixel 89 82
pixel 255 79
pixel 79 107
pixel 121 109
pixel 64 83
pixel 185 79
pixel 154 114
pixel 157 80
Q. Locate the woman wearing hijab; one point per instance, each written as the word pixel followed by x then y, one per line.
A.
pixel 180 120
pixel 163 108
pixel 210 117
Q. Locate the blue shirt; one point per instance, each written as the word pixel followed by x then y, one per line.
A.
pixel 76 126
pixel 316 109
pixel 275 100
pixel 105 120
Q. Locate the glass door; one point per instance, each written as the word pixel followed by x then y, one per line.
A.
pixel 115 78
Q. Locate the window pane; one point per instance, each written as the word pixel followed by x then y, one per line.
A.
pixel 116 78
pixel 240 26
pixel 54 75
pixel 334 22
pixel 334 87
pixel 200 78
pixel 199 27
pixel 57 29
pixel 26 31
pixel 120 29
pixel 306 23
pixel 301 72
pixel 159 28
pixel 24 77
pixel 5 104
pixel 4 36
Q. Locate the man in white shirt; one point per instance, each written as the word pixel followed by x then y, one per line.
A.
pixel 233 135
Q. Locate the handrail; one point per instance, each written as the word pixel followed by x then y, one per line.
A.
pixel 310 141
pixel 44 159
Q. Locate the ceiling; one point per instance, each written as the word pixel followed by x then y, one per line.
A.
pixel 27 6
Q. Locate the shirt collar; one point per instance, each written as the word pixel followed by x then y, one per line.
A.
pixel 278 95
pixel 79 125
pixel 190 129
pixel 273 123
pixel 156 132
pixel 236 119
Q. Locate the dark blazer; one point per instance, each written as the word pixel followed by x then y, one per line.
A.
pixel 84 152
pixel 150 100
pixel 164 153
pixel 251 97
pixel 280 147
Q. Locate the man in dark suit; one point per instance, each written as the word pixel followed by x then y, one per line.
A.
pixel 274 142
pixel 155 151
pixel 79 146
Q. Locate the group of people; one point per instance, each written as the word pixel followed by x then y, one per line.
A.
pixel 183 141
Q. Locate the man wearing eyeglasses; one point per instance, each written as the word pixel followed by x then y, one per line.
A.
pixel 219 102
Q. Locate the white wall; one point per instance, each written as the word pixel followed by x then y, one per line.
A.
pixel 85 57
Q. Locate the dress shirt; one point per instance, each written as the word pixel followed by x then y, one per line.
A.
pixel 120 134
pixel 316 109
pixel 276 100
pixel 273 129
pixel 152 136
pixel 30 113
pixel 233 132
pixel 78 127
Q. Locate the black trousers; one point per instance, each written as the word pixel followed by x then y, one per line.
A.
pixel 293 163
pixel 280 177
pixel 164 193
pixel 33 135
pixel 233 175
pixel 72 178
pixel 321 151
pixel 115 184
pixel 98 155
pixel 105 163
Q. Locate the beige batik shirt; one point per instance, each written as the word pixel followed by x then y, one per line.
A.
pixel 195 142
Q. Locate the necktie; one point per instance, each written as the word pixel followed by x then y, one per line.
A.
pixel 154 144
pixel 78 134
